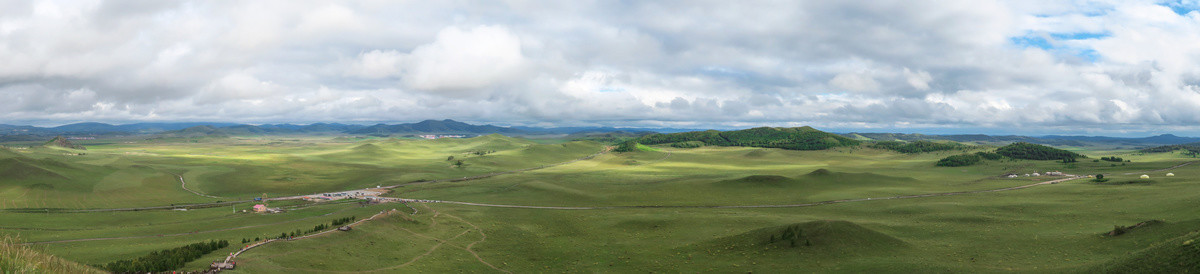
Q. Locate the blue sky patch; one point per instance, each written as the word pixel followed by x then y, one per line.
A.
pixel 1080 35
pixel 1035 40
pixel 1183 7
pixel 1031 41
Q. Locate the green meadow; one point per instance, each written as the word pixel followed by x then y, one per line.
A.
pixel 655 209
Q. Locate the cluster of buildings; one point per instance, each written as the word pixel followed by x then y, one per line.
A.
pixel 1035 174
pixel 353 194
pixel 438 136
pixel 1057 173
pixel 261 208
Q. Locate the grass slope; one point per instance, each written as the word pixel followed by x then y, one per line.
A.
pixel 826 236
pixel 15 258
pixel 1178 255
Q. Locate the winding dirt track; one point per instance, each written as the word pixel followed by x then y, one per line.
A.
pixel 1157 170
pixel 184 186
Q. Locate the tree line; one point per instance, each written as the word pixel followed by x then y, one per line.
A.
pixel 916 146
pixel 315 229
pixel 165 260
pixel 959 160
pixel 801 138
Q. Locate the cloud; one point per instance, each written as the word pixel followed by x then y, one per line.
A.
pixel 918 79
pixel 998 64
pixel 854 82
pixel 465 59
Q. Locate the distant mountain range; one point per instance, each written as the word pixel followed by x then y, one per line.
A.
pixel 433 126
pixel 1055 140
pixel 196 129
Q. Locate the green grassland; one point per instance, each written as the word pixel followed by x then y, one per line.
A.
pixel 1047 228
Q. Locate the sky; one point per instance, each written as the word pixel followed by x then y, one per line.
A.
pixel 1044 67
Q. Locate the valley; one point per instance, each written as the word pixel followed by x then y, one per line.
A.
pixel 515 205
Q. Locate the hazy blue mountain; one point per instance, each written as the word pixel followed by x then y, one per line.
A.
pixel 573 130
pixel 435 126
pixel 1164 139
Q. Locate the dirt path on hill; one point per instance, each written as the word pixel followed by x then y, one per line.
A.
pixel 326 232
pixel 483 237
pixel 1164 169
pixel 184 186
pixel 441 242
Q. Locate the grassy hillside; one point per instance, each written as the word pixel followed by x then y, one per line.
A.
pixel 1030 151
pixel 801 138
pixel 15 258
pixel 1178 255
pixel 648 211
pixel 825 236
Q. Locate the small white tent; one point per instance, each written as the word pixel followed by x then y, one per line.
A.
pixel 1144 176
pixel 1170 174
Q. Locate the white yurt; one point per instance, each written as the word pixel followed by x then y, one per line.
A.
pixel 1170 174
pixel 1144 176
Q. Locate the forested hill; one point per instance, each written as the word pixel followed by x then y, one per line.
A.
pixel 799 138
pixel 1029 151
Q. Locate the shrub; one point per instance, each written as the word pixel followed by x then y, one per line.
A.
pixel 627 146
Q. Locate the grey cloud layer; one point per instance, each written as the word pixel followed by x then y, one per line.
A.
pixel 835 63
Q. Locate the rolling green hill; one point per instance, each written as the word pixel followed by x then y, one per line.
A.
pixel 817 178
pixel 800 138
pixel 826 236
pixel 1178 255
pixel 62 142
pixel 1028 151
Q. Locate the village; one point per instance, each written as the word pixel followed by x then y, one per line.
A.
pixel 1058 173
